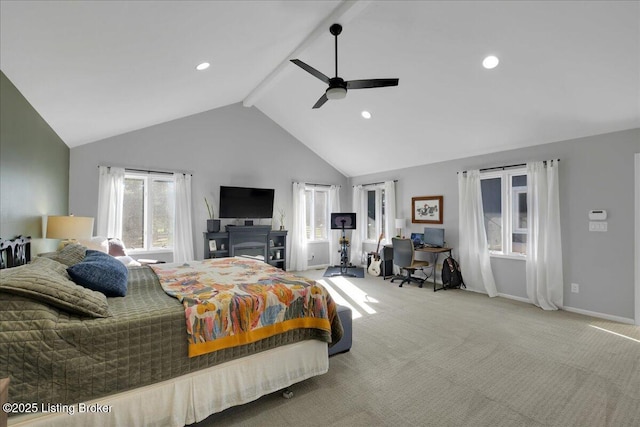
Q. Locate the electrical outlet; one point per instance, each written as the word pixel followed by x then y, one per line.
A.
pixel 575 288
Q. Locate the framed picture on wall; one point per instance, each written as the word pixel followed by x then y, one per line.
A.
pixel 426 210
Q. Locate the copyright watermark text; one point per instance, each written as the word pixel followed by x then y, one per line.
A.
pixel 48 408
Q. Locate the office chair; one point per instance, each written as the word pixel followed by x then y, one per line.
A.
pixel 403 257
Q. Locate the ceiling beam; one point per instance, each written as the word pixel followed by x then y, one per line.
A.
pixel 342 14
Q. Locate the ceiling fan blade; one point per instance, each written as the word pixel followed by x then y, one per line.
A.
pixel 311 70
pixel 365 84
pixel 321 101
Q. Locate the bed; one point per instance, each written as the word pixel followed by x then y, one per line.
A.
pixel 74 364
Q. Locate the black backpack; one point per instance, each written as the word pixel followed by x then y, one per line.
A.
pixel 451 274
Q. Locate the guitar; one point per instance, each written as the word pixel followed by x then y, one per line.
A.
pixel 374 267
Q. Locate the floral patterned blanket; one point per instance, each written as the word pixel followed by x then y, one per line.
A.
pixel 235 301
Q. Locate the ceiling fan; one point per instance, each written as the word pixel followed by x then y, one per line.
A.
pixel 337 86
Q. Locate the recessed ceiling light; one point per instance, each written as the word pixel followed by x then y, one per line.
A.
pixel 202 66
pixel 366 114
pixel 490 62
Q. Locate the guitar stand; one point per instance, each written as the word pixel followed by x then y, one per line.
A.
pixel 344 259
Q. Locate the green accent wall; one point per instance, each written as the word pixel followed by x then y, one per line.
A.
pixel 34 169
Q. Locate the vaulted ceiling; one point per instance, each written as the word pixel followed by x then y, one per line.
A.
pixel 567 69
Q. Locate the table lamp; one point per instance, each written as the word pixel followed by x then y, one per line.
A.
pixel 69 228
pixel 399 226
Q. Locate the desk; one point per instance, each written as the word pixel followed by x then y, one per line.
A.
pixel 437 252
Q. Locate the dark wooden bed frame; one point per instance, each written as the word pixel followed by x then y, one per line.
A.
pixel 15 252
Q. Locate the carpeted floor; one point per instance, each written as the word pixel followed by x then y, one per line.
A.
pixel 457 358
pixel 355 272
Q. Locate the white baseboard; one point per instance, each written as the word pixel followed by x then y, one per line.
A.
pixel 577 310
pixel 513 297
pixel 599 315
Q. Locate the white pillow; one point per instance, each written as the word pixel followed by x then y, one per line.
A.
pixel 97 243
pixel 128 261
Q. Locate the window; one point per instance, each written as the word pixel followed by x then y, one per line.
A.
pixel 148 212
pixel 375 213
pixel 504 199
pixel 317 221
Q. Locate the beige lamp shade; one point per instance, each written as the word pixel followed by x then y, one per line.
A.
pixel 69 227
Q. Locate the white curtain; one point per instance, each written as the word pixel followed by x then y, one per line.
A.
pixel 334 235
pixel 358 235
pixel 298 252
pixel 475 262
pixel 390 211
pixel 544 246
pixel 110 201
pixel 183 228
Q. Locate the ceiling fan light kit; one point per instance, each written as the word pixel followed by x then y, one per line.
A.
pixel 336 93
pixel 337 86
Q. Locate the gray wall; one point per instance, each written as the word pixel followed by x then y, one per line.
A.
pixel 34 170
pixel 232 145
pixel 596 172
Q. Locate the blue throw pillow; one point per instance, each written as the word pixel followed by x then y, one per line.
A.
pixel 101 272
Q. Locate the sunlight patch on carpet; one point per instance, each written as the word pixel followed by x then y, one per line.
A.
pixel 355 293
pixel 339 299
pixel 614 333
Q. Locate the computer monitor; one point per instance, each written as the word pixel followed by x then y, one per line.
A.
pixel 434 237
pixel 417 238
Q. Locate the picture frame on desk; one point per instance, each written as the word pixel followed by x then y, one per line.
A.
pixel 213 246
pixel 427 210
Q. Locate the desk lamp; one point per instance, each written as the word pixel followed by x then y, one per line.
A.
pixel 399 226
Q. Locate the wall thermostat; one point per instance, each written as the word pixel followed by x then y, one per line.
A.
pixel 597 215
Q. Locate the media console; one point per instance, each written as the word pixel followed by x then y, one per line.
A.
pixel 251 240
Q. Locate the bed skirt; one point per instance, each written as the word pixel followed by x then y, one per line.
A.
pixel 193 397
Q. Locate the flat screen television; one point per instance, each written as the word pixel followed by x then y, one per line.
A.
pixel 244 202
pixel 348 220
pixel 433 237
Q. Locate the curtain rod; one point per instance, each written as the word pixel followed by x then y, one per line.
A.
pixel 374 183
pixel 508 166
pixel 312 184
pixel 151 171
